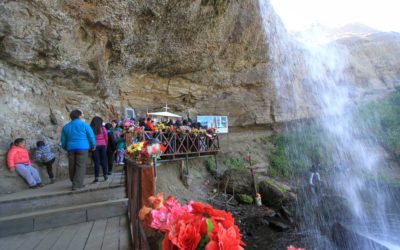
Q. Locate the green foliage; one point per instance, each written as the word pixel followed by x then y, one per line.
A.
pixel 244 198
pixel 301 145
pixel 278 162
pixel 264 140
pixel 211 166
pixel 235 163
pixel 296 149
pixel 382 118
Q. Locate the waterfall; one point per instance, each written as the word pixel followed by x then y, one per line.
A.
pixel 312 79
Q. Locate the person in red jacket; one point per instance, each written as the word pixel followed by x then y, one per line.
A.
pixel 18 160
pixel 149 125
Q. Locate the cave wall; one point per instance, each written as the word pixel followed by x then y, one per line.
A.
pixel 200 57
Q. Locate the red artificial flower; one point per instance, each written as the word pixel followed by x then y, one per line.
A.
pixel 185 233
pixel 223 217
pixel 166 244
pixel 224 239
pixel 199 208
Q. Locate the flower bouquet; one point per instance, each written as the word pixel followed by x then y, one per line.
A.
pixel 192 226
pixel 142 152
pixel 138 152
pixel 161 127
pixel 211 131
pixel 137 131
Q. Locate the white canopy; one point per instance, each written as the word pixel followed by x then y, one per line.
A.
pixel 165 113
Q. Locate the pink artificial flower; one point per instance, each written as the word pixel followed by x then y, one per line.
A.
pixel 294 248
pixel 159 218
pixel 171 203
pixel 176 214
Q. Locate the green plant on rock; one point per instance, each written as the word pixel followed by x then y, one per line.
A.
pixel 382 118
pixel 211 166
pixel 278 161
pixel 235 163
pixel 244 198
pixel 264 140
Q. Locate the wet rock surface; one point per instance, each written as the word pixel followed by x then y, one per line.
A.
pixel 274 193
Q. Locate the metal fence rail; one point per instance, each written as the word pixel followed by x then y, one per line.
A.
pixel 181 145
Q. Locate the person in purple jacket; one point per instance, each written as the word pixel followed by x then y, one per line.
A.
pixel 100 153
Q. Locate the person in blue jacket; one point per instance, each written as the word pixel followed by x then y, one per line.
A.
pixel 77 138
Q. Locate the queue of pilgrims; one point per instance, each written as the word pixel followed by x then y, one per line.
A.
pixel 104 142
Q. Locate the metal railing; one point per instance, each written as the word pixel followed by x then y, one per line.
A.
pixel 178 146
pixel 181 145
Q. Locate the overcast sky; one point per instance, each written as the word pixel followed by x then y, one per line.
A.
pixel 379 14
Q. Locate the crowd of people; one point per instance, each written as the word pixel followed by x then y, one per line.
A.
pixel 104 142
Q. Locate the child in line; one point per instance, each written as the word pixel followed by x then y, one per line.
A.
pixel 44 155
pixel 18 160
pixel 121 144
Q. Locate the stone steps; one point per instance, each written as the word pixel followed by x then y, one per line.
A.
pixel 90 168
pixel 51 218
pixel 60 199
pixel 57 205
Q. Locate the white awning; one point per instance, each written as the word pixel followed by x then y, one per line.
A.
pixel 165 113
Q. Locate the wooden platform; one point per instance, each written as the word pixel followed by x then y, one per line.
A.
pixel 108 234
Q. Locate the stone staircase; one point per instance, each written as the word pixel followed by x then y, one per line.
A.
pixel 57 205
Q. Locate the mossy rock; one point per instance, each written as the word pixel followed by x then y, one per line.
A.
pixel 273 193
pixel 244 198
pixel 238 180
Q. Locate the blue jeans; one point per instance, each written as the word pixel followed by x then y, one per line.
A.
pixel 100 159
pixel 120 155
pixel 29 173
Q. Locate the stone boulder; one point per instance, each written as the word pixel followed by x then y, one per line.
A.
pixel 274 193
pixel 334 208
pixel 238 181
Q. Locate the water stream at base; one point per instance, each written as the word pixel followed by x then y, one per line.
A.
pixel 313 79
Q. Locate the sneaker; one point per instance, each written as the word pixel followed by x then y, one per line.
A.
pixel 39 185
pixel 105 178
pixel 96 180
pixel 121 163
pixel 33 187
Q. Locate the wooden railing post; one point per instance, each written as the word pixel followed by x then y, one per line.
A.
pixel 135 200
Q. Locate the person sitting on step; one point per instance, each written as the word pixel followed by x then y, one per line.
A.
pixel 44 155
pixel 18 160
